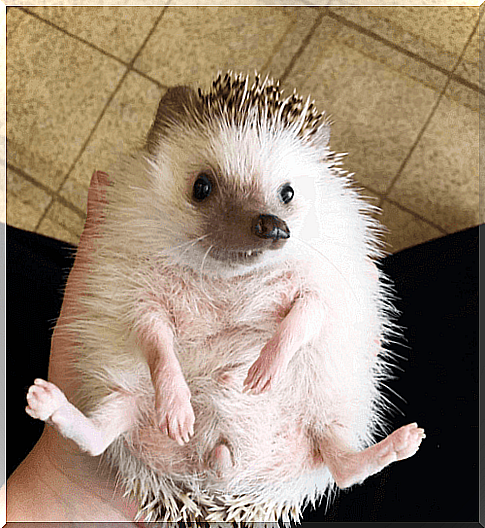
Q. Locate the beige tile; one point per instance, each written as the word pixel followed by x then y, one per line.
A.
pixel 26 202
pixel 117 30
pixel 62 223
pixel 52 229
pixel 437 33
pixel 401 63
pixel 14 18
pixel 405 229
pixel 192 43
pixel 370 197
pixel 122 128
pixel 25 190
pixel 474 59
pixel 57 87
pixel 463 95
pixel 22 215
pixel 66 217
pixel 76 192
pixel 303 20
pixel 377 111
pixel 440 181
pixel 69 3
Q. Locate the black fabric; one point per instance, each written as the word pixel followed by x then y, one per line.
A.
pixel 37 268
pixel 437 287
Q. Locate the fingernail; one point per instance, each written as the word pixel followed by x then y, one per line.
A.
pixel 102 177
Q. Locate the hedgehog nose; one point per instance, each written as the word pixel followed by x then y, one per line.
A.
pixel 270 226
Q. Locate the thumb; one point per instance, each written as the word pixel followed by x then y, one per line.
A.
pixel 96 199
pixel 95 208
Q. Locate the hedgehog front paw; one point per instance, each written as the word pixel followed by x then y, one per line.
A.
pixel 44 399
pixel 266 370
pixel 175 414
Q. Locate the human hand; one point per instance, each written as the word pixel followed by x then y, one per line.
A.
pixel 57 482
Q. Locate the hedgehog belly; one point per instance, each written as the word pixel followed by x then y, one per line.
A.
pixel 174 483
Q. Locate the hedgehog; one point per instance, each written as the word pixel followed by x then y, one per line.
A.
pixel 234 330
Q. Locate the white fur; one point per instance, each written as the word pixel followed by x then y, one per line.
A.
pixel 149 263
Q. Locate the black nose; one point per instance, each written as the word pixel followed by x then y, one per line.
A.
pixel 270 226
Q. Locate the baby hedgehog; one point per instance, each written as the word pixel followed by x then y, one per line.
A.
pixel 231 340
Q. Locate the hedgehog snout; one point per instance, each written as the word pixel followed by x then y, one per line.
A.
pixel 267 226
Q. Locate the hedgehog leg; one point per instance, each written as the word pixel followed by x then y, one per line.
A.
pixel 114 416
pixel 220 458
pixel 353 467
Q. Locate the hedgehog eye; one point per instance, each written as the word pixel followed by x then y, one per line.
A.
pixel 286 193
pixel 202 187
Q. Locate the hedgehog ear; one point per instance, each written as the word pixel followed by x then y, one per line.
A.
pixel 179 104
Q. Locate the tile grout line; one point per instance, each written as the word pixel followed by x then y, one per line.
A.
pixel 88 139
pixel 325 12
pixel 416 142
pixel 44 188
pixel 6 24
pixel 55 197
pixel 72 35
pixel 384 197
pixel 147 38
pixel 302 47
pixel 380 198
pixel 431 115
pixel 363 30
pixel 129 67
pixel 415 215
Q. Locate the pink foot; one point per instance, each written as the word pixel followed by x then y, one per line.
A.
pixel 352 468
pixel 402 443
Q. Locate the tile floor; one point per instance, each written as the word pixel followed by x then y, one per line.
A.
pixel 401 84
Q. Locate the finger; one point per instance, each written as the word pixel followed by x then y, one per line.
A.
pixel 97 196
pixel 96 203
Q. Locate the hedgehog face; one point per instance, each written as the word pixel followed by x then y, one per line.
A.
pixel 248 175
pixel 245 198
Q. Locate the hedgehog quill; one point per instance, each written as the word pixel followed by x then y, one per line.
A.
pixel 233 331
